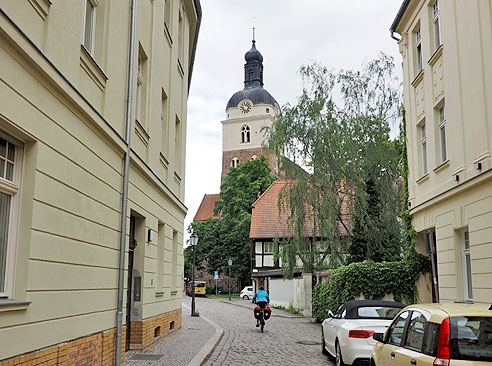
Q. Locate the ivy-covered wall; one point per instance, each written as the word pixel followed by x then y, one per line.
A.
pixel 371 280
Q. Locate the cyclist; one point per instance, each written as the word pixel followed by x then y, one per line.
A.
pixel 261 299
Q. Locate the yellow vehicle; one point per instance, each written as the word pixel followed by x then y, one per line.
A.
pixel 200 288
pixel 437 334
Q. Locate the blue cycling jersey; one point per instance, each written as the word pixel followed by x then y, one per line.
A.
pixel 261 296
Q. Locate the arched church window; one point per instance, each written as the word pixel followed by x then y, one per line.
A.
pixel 234 162
pixel 245 134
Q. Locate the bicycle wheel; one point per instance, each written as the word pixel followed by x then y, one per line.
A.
pixel 262 322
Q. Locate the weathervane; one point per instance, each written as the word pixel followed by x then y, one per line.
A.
pixel 253 18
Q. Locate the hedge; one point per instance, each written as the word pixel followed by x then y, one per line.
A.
pixel 370 279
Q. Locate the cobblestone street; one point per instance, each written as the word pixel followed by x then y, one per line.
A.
pixel 286 341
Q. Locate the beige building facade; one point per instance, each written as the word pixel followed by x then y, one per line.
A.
pixel 64 87
pixel 446 47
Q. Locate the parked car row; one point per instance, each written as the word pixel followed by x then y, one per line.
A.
pixel 384 333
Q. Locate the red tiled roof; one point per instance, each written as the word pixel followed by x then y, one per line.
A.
pixel 206 208
pixel 266 222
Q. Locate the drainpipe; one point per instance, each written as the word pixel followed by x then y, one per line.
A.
pixel 124 200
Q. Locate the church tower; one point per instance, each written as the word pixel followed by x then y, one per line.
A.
pixel 248 111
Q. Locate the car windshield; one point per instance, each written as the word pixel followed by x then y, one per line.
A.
pixel 199 284
pixel 377 312
pixel 471 338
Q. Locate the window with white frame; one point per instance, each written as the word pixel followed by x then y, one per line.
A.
pixel 418 49
pixel 466 265
pixel 180 38
pixel 436 24
pixel 442 134
pixel 177 145
pixel 89 26
pixel 165 123
pixel 423 147
pixel 234 162
pixel 268 248
pixel 253 157
pixel 245 134
pixel 167 14
pixel 139 90
pixel 10 178
pixel 141 96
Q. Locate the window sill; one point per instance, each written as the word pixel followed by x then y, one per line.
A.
pixel 435 56
pixel 167 34
pixel 42 7
pixel 12 305
pixel 418 78
pixel 180 68
pixel 441 166
pixel 177 178
pixel 142 133
pixel 422 178
pixel 91 67
pixel 163 160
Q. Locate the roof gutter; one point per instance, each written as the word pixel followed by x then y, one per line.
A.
pixel 402 10
pixel 198 8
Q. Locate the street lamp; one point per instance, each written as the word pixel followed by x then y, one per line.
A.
pixel 229 262
pixel 193 242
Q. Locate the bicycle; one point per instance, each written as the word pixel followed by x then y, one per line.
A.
pixel 261 315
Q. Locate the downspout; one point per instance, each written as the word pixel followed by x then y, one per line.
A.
pixel 124 200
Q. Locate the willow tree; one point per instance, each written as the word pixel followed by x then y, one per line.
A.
pixel 339 131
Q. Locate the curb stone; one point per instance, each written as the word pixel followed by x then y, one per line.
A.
pixel 209 347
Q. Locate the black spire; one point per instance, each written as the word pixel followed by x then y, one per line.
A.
pixel 253 69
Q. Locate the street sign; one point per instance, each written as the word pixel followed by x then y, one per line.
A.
pixel 216 275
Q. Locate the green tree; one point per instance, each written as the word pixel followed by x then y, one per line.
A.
pixel 339 130
pixel 228 237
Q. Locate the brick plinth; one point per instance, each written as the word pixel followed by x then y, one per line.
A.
pixel 96 350
pixel 143 334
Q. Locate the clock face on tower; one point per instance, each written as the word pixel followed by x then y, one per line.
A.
pixel 245 107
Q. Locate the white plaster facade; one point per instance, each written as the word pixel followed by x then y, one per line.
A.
pixel 447 52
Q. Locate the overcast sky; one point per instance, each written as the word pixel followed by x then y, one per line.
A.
pixel 340 34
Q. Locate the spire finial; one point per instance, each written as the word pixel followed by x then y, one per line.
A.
pixel 254 28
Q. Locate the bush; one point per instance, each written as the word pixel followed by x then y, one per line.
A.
pixel 370 279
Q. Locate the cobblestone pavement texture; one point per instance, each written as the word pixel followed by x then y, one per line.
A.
pixel 178 347
pixel 244 344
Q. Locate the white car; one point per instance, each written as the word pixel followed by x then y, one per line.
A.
pixel 347 334
pixel 247 293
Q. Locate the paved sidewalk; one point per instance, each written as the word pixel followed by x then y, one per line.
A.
pixel 186 346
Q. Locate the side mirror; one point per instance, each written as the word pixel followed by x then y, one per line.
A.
pixel 330 314
pixel 378 337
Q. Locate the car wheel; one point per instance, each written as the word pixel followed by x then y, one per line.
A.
pixel 323 349
pixel 338 354
pixel 245 297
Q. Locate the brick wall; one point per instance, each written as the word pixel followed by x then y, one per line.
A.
pixel 142 333
pixel 244 155
pixel 95 350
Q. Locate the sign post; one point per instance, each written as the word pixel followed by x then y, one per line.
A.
pixel 229 262
pixel 216 277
